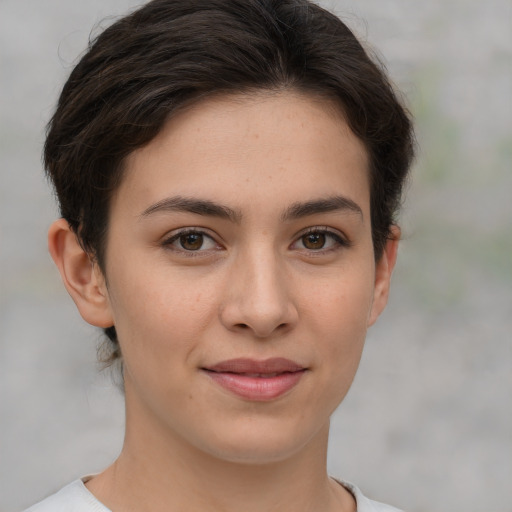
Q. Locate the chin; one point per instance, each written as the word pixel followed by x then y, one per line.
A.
pixel 254 455
pixel 264 444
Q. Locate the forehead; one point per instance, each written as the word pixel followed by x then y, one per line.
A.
pixel 258 146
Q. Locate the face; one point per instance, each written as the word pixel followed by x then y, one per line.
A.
pixel 241 276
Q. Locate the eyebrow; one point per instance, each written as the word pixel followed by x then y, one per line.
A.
pixel 316 206
pixel 197 206
pixel 209 208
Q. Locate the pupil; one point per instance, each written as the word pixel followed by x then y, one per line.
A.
pixel 314 241
pixel 191 241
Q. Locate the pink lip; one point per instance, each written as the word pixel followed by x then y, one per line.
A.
pixel 257 380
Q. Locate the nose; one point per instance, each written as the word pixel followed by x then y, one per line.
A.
pixel 258 297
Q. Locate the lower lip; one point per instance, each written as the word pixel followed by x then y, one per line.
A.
pixel 258 389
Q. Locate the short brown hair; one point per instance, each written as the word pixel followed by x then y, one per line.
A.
pixel 169 53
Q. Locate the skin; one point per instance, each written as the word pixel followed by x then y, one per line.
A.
pixel 263 277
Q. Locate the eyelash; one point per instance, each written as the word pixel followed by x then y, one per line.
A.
pixel 339 241
pixel 168 242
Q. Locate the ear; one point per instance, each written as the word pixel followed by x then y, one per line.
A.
pixel 82 277
pixel 383 270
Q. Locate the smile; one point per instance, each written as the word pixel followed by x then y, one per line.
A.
pixel 257 380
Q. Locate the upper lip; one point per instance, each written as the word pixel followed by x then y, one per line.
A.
pixel 253 366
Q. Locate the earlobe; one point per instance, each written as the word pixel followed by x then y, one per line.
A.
pixel 82 278
pixel 383 270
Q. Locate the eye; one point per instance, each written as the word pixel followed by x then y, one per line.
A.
pixel 314 241
pixel 191 241
pixel 317 239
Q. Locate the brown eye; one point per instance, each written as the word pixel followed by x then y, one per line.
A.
pixel 320 240
pixel 191 241
pixel 188 241
pixel 314 241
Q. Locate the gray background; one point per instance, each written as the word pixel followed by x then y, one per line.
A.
pixel 428 423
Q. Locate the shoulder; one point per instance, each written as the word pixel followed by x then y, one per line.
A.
pixel 364 504
pixel 73 498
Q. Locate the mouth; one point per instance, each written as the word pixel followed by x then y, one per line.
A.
pixel 256 380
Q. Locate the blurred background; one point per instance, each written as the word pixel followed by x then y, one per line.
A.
pixel 427 425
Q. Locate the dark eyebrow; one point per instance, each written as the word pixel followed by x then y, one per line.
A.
pixel 315 206
pixel 192 205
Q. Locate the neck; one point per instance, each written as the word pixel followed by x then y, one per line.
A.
pixel 160 472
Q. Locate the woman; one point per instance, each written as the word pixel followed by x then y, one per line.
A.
pixel 228 173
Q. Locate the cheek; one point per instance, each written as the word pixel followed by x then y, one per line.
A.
pixel 342 299
pixel 159 312
pixel 339 310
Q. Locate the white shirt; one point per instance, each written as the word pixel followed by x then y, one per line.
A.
pixel 75 497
